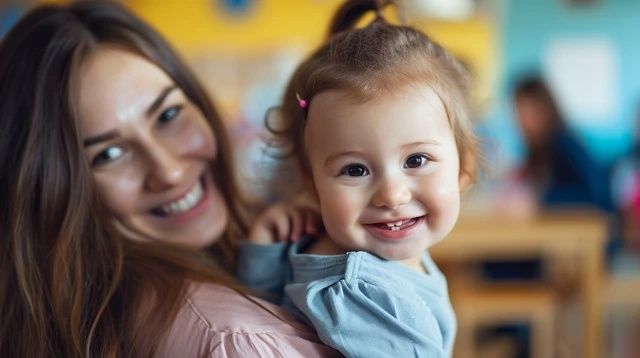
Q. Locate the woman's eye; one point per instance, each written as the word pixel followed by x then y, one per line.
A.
pixel 354 170
pixel 169 114
pixel 415 161
pixel 107 155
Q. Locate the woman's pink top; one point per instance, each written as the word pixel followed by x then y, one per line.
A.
pixel 216 321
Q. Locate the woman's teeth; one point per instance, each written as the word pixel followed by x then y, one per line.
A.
pixel 185 203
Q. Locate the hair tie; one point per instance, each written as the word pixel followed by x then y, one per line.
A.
pixel 301 102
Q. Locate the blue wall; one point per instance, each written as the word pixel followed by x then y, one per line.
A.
pixel 528 27
pixel 9 15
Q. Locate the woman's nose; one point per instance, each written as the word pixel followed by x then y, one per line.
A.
pixel 392 193
pixel 165 168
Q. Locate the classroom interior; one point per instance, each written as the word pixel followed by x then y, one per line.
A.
pixel 530 275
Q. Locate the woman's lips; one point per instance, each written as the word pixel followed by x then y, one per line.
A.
pixel 395 230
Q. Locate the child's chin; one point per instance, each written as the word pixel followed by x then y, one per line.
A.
pixel 406 252
pixel 400 255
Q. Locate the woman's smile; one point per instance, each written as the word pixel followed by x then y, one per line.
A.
pixel 188 206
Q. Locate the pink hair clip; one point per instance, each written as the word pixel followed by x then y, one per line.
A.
pixel 301 102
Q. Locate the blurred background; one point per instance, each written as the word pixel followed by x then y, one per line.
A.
pixel 545 258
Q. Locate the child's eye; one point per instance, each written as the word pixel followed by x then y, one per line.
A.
pixel 415 161
pixel 107 155
pixel 354 170
pixel 169 114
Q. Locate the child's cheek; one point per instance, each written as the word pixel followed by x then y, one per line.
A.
pixel 338 213
pixel 338 209
pixel 444 207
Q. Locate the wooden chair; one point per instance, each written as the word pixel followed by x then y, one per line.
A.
pixel 622 315
pixel 497 304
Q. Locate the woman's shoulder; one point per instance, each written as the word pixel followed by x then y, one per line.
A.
pixel 217 321
pixel 220 308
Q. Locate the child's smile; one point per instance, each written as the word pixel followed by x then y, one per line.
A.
pixel 395 230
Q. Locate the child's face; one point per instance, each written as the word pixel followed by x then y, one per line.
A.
pixel 386 171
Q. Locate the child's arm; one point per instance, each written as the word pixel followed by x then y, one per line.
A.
pixel 262 262
pixel 362 315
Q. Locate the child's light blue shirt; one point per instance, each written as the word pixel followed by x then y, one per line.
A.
pixel 359 304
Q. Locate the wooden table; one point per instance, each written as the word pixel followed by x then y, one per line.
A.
pixel 577 237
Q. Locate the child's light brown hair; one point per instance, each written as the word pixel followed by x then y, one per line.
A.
pixel 376 60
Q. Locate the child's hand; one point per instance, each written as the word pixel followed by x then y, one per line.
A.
pixel 284 222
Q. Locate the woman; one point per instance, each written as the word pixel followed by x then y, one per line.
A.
pixel 557 166
pixel 116 172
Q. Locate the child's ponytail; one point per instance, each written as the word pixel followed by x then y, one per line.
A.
pixel 349 13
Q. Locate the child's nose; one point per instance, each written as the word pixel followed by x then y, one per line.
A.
pixel 392 193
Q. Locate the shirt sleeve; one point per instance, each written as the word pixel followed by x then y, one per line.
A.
pixel 363 318
pixel 264 268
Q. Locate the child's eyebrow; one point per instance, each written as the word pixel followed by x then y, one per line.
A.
pixel 338 155
pixel 420 143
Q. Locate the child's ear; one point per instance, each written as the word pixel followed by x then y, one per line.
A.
pixel 464 181
pixel 466 177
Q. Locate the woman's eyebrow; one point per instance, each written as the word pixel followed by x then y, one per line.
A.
pixel 160 99
pixel 100 138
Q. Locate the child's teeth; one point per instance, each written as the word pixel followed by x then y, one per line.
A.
pixel 394 226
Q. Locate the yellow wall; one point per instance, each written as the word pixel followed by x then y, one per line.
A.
pixel 475 42
pixel 201 27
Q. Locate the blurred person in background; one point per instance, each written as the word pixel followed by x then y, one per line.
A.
pixel 557 170
pixel 119 207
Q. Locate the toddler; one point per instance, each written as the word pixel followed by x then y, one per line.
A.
pixel 377 119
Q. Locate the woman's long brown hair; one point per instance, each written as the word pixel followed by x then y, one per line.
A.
pixel 70 284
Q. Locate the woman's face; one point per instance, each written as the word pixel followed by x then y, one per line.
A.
pixel 534 118
pixel 150 150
